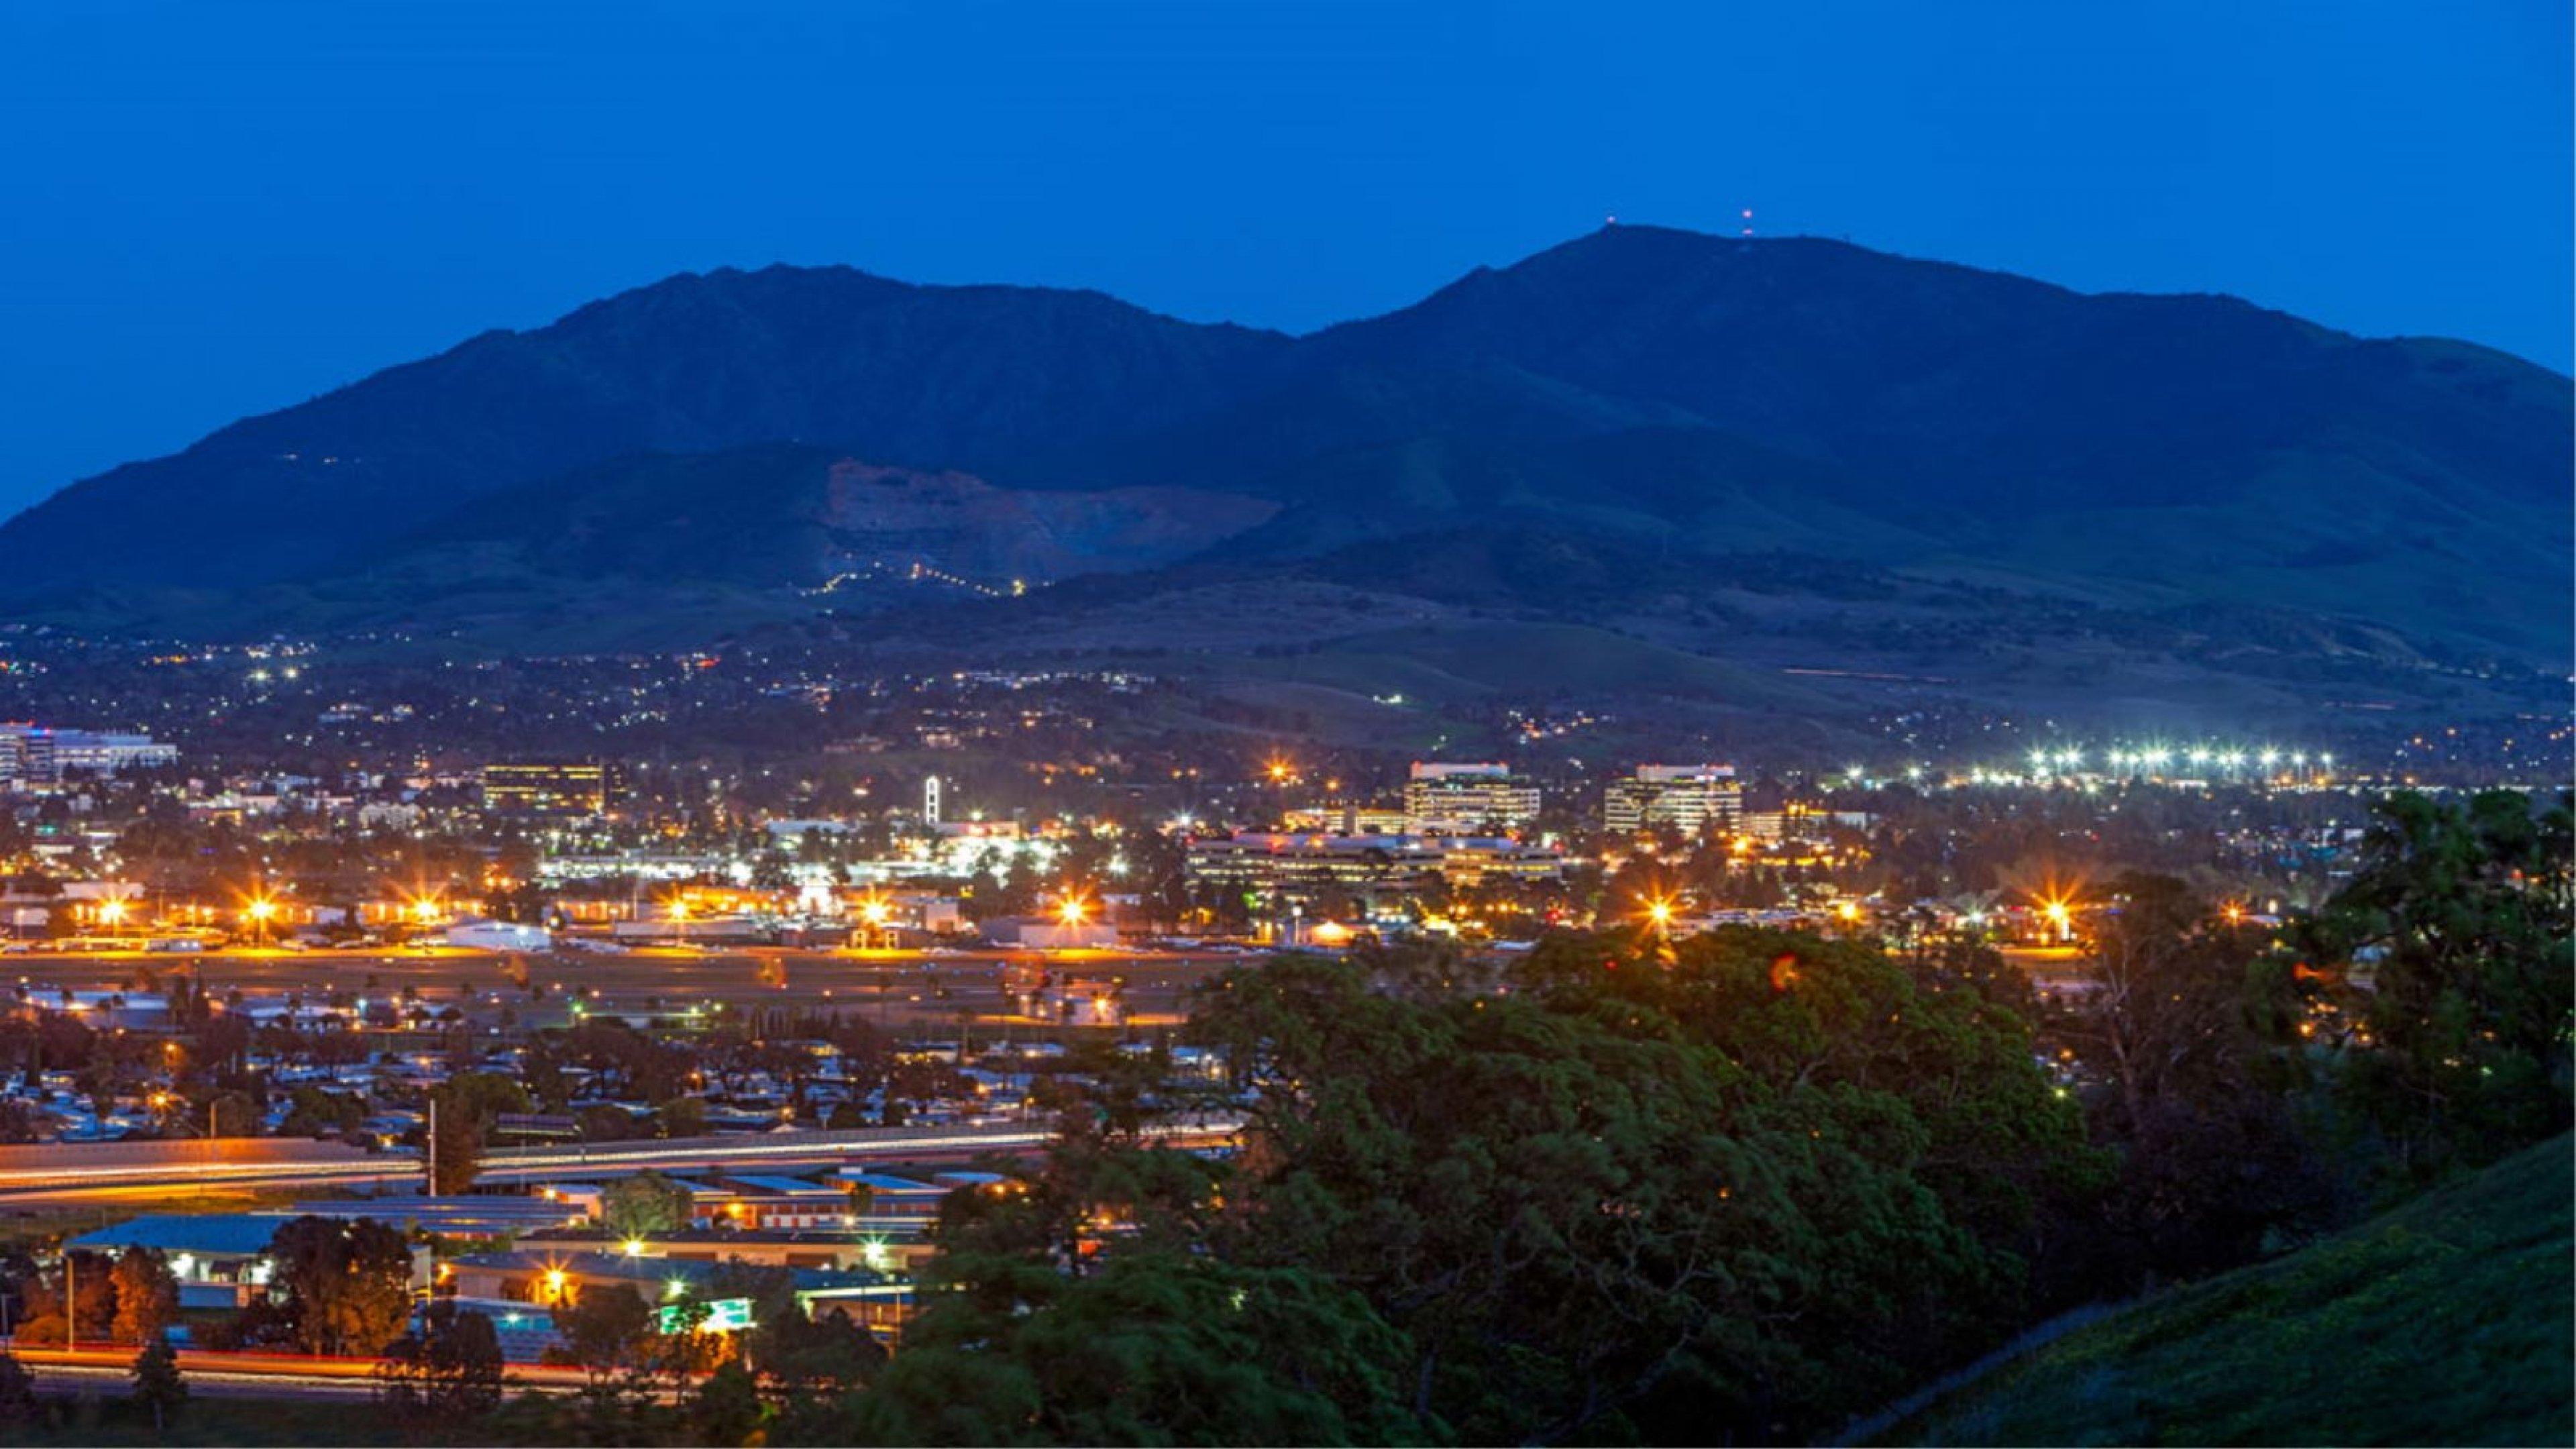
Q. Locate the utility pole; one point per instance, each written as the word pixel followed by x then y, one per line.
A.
pixel 71 1302
pixel 430 1158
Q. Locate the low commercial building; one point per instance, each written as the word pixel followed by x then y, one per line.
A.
pixel 1294 866
pixel 1047 933
pixel 498 936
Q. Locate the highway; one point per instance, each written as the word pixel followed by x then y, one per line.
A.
pixel 71 1174
pixel 249 1375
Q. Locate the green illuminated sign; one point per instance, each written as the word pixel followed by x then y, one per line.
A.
pixel 721 1315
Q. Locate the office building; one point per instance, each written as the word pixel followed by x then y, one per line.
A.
pixel 1686 798
pixel 1280 864
pixel 1467 799
pixel 39 755
pixel 548 789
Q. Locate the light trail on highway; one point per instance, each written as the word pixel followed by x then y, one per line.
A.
pixel 34 1176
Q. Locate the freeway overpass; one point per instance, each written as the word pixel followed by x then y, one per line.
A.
pixel 79 1172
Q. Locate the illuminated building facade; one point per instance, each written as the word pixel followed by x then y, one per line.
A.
pixel 548 789
pixel 1688 798
pixel 1465 799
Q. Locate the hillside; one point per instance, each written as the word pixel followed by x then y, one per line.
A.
pixel 1637 389
pixel 2447 1321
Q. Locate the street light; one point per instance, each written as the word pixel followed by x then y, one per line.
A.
pixel 2060 917
pixel 1659 913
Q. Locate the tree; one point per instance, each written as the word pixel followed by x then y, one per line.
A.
pixel 466 1105
pixel 1155 1347
pixel 317 1113
pixel 147 1295
pixel 606 1331
pixel 1739 1193
pixel 18 1407
pixel 449 1368
pixel 348 1282
pixel 90 1275
pixel 796 1355
pixel 683 1117
pixel 2212 1160
pixel 644 1205
pixel 726 1408
pixel 2459 914
pixel 157 1382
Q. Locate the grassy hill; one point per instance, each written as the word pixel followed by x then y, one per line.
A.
pixel 2447 1321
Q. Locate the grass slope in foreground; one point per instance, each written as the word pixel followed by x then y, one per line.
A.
pixel 2447 1321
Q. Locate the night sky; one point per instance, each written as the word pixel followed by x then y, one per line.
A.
pixel 220 209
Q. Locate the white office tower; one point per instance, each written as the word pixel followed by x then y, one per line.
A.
pixel 1688 798
pixel 1466 799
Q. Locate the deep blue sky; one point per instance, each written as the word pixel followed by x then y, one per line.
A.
pixel 215 209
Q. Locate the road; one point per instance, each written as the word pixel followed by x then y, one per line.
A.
pixel 249 1375
pixel 77 1174
pixel 2066 970
pixel 908 991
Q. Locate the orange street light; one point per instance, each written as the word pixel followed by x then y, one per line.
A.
pixel 2060 917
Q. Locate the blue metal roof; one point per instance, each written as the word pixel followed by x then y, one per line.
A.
pixel 226 1235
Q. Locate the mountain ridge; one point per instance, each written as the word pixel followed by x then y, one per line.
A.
pixel 1711 394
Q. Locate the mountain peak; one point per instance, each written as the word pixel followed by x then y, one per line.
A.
pixel 1703 390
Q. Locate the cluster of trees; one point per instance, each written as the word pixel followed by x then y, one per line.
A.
pixel 656 1375
pixel 2261 1088
pixel 1747 1185
pixel 1744 1188
pixel 128 1298
pixel 346 1290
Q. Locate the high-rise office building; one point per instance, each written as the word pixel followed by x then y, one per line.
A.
pixel 1466 799
pixel 1688 798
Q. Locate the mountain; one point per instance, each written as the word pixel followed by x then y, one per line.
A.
pixel 1657 391
pixel 936 377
